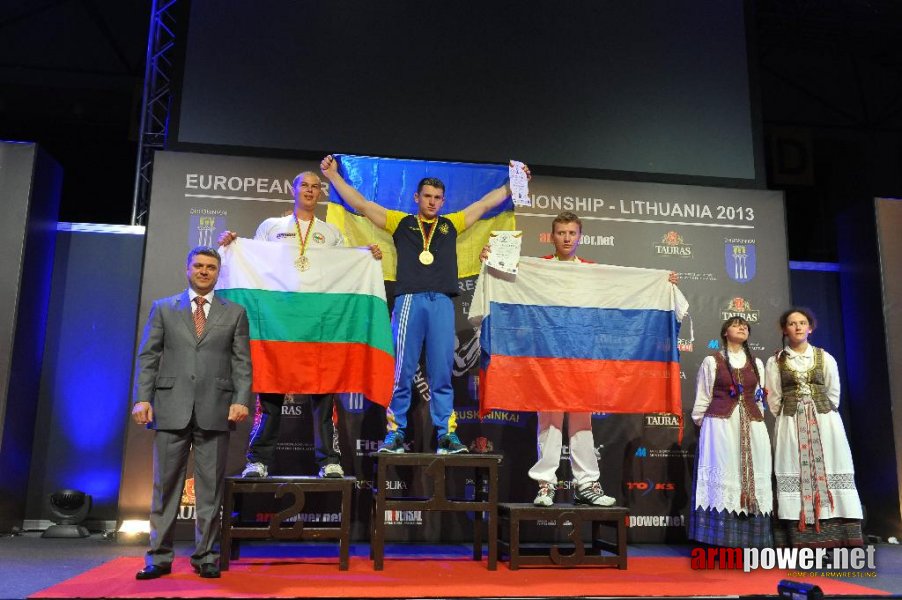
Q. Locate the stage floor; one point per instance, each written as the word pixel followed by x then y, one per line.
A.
pixel 99 568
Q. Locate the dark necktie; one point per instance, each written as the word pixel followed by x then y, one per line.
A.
pixel 200 319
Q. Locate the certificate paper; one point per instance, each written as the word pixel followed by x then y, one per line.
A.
pixel 519 184
pixel 504 251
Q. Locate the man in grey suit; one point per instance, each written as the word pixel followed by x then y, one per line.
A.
pixel 192 383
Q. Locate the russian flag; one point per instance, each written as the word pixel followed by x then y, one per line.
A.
pixel 318 331
pixel 563 336
pixel 392 183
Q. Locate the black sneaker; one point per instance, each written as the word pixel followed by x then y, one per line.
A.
pixel 393 443
pixel 450 444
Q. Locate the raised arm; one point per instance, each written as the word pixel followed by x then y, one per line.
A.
pixel 372 211
pixel 474 212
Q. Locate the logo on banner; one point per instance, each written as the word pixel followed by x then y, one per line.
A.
pixel 672 244
pixel 187 504
pixel 656 521
pixel 661 420
pixel 353 402
pixel 739 307
pixel 466 355
pixel 739 258
pixel 684 345
pixel 546 237
pixel 648 486
pixel 266 517
pixel 403 517
pixel 364 447
pixel 644 452
pixel 293 406
pixel 496 417
pixel 481 445
pixel 204 226
pixel 714 344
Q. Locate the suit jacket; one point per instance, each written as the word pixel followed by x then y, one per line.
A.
pixel 180 374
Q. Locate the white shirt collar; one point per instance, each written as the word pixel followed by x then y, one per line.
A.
pixel 809 352
pixel 192 295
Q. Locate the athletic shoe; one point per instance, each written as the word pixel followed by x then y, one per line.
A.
pixel 545 497
pixel 592 494
pixel 393 443
pixel 450 444
pixel 255 469
pixel 331 471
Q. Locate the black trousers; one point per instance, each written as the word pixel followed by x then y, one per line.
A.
pixel 264 437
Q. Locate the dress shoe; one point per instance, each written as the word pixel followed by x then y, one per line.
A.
pixel 207 570
pixel 153 572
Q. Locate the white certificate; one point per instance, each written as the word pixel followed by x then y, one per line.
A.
pixel 504 251
pixel 519 184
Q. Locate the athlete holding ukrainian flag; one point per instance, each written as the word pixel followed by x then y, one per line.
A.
pixel 426 281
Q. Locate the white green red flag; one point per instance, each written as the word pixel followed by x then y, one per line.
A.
pixel 318 331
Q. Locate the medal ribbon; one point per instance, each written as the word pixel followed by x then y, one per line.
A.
pixel 302 240
pixel 427 239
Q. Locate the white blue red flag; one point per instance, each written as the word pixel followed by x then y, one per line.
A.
pixel 563 336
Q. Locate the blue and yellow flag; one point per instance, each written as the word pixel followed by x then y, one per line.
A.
pixel 392 183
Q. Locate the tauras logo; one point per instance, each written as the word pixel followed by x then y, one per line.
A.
pixel 662 420
pixel 739 307
pixel 672 244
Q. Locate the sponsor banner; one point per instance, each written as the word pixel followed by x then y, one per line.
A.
pixel 727 247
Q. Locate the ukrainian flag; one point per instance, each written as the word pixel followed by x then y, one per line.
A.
pixel 392 183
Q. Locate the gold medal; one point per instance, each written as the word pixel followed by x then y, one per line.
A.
pixel 426 256
pixel 302 262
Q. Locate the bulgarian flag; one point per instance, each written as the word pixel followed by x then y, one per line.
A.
pixel 563 336
pixel 318 331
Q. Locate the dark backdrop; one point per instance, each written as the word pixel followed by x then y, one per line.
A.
pixel 655 87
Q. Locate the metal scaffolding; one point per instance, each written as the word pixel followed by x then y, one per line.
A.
pixel 156 102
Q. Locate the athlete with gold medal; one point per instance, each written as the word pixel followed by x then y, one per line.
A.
pixel 423 316
pixel 303 229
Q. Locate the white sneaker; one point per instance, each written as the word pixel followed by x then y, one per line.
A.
pixel 545 497
pixel 332 471
pixel 592 495
pixel 255 470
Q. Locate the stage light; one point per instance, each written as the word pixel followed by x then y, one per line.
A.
pixel 133 531
pixel 69 508
pixel 796 590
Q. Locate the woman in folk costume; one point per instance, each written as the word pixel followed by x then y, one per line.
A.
pixel 817 501
pixel 733 494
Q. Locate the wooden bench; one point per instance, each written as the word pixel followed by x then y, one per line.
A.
pixel 485 474
pixel 569 518
pixel 297 487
